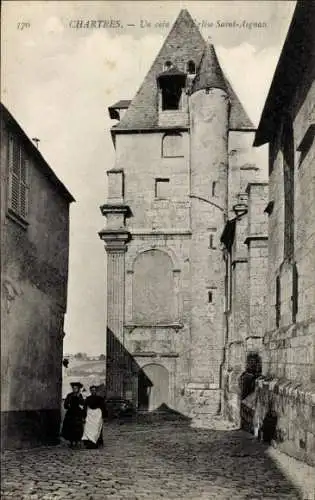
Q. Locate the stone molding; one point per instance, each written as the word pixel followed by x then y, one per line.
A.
pixel 155 354
pixel 115 239
pixel 112 208
pixel 174 326
pixel 161 232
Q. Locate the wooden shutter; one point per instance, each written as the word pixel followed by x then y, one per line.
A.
pixel 23 185
pixel 18 171
pixel 14 194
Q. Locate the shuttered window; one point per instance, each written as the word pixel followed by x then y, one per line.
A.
pixel 18 167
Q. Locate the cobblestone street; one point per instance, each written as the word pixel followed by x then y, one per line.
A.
pixel 155 461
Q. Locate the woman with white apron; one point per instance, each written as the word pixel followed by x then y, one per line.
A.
pixel 93 427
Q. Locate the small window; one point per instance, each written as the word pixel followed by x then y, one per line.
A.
pixel 172 145
pixel 211 242
pixel 191 68
pixel 167 65
pixel 162 188
pixel 210 297
pixel 18 171
pixel 214 184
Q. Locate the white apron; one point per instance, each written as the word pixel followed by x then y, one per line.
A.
pixel 93 425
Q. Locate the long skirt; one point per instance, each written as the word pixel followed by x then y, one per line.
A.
pixel 92 435
pixel 72 428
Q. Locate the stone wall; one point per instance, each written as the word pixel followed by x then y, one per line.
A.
pixel 294 408
pixel 34 270
pixel 248 262
pixel 288 344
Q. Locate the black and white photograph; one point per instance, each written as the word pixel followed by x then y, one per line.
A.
pixel 157 250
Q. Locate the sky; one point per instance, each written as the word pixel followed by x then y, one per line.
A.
pixel 58 81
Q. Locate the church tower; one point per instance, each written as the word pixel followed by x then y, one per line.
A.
pixel 167 206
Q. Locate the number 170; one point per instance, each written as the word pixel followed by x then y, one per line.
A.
pixel 23 25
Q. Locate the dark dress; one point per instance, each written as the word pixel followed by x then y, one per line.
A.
pixel 94 401
pixel 72 428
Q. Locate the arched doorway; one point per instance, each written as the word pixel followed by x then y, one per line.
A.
pixel 153 387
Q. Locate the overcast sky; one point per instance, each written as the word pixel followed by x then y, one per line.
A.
pixel 58 82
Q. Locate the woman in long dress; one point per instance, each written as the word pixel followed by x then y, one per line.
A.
pixel 92 435
pixel 72 428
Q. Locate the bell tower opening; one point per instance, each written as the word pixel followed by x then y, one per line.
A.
pixel 171 97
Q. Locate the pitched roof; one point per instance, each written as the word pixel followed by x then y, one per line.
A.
pixel 209 73
pixel 35 154
pixel 296 59
pixel 122 104
pixel 183 43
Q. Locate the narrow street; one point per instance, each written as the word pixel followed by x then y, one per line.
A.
pixel 171 461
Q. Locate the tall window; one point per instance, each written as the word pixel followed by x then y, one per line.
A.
pixel 18 171
pixel 295 292
pixel 288 175
pixel 278 302
pixel 172 145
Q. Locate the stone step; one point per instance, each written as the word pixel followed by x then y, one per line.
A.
pixel 212 422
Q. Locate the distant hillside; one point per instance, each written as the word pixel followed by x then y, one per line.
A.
pixel 87 372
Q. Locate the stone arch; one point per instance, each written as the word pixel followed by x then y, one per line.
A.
pixel 153 387
pixel 154 287
pixel 146 248
pixel 172 145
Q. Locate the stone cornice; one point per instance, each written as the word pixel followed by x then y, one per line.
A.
pixel 115 239
pixel 161 232
pixel 111 208
pixel 155 354
pixel 174 326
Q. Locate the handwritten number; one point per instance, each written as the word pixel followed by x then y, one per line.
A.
pixel 23 25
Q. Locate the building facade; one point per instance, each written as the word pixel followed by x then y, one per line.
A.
pixel 34 274
pixel 288 125
pixel 245 240
pixel 269 366
pixel 183 157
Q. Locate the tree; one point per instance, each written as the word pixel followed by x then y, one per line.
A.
pixel 80 355
pixel 102 357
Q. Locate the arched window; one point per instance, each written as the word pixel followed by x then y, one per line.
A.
pixel 153 288
pixel 172 145
pixel 191 68
pixel 167 65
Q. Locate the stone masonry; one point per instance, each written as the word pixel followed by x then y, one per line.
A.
pixel 288 389
pixel 183 156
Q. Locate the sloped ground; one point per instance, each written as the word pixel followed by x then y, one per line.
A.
pixel 168 460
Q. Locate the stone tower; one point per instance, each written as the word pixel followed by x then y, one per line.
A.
pixel 166 208
pixel 209 122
